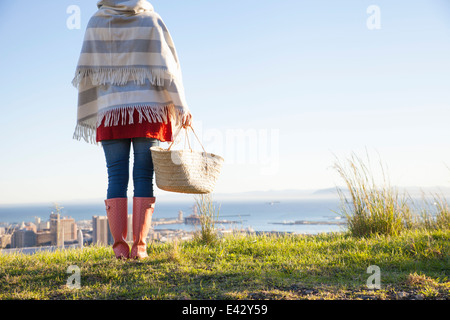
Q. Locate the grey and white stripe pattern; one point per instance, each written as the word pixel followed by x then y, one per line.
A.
pixel 128 63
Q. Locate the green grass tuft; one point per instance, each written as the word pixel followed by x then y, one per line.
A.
pixel 376 208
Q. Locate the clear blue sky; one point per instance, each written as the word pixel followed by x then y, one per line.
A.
pixel 302 80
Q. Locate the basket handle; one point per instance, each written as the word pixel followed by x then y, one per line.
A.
pixel 186 132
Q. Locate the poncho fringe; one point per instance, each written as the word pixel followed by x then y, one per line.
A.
pixel 86 130
pixel 121 76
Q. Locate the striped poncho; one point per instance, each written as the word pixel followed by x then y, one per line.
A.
pixel 128 64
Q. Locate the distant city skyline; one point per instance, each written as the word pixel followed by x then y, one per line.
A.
pixel 278 88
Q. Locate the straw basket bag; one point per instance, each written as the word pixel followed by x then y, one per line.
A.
pixel 187 170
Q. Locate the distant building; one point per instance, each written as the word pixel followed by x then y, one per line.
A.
pixel 44 238
pixel 55 232
pixel 70 229
pixel 101 234
pixel 41 225
pixel 30 226
pixel 23 238
pixel 192 219
pixel 62 230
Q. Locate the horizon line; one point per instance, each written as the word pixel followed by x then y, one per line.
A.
pixel 289 194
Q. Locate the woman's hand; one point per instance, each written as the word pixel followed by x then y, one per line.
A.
pixel 187 120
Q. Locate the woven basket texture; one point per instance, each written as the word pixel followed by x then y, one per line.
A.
pixel 186 171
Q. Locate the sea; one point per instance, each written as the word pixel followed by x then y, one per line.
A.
pixel 321 215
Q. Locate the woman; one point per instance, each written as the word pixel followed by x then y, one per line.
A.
pixel 130 93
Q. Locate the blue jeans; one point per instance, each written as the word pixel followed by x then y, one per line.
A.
pixel 117 154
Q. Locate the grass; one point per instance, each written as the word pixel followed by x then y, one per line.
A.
pixel 374 207
pixel 414 264
pixel 208 214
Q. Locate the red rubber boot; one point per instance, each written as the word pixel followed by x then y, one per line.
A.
pixel 142 219
pixel 117 212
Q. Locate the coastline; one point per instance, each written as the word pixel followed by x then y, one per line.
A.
pixel 178 220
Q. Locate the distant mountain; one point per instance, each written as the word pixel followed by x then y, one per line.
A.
pixel 266 195
pixel 274 195
pixel 328 191
pixel 411 191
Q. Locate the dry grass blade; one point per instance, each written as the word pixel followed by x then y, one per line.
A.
pixel 208 215
pixel 373 208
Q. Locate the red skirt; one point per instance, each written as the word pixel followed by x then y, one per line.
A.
pixel 160 131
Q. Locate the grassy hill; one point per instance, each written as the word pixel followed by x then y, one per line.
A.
pixel 413 265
